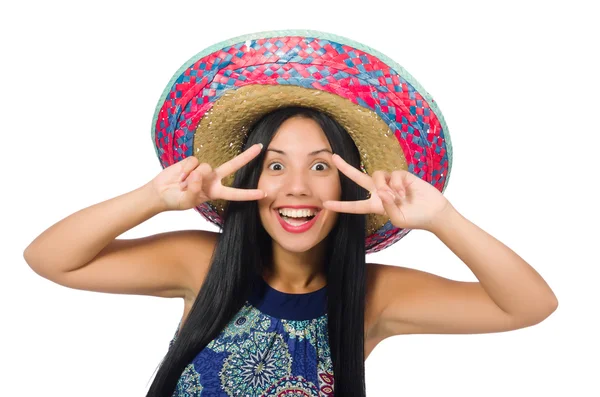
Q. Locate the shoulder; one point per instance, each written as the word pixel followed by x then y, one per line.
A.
pixel 197 242
pixel 375 297
pixel 380 278
pixel 380 275
pixel 195 248
pixel 389 282
pixel 392 287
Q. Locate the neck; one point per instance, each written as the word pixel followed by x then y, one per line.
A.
pixel 297 272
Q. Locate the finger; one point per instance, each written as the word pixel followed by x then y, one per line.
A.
pixel 349 207
pixel 238 161
pixel 234 194
pixel 195 180
pixel 201 173
pixel 381 180
pixel 188 164
pixel 357 176
pixel 390 204
pixel 397 183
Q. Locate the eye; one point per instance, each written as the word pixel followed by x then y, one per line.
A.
pixel 275 166
pixel 320 166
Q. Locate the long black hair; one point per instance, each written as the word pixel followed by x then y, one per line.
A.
pixel 243 250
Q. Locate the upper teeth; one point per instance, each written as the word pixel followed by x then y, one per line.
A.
pixel 296 213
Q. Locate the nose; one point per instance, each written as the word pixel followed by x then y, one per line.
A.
pixel 297 184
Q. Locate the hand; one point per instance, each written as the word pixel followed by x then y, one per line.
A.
pixel 187 184
pixel 409 201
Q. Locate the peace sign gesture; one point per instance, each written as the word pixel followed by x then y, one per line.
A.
pixel 409 201
pixel 187 184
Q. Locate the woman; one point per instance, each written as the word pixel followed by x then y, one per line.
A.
pixel 336 308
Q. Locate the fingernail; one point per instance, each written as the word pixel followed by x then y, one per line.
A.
pixel 265 194
pixel 261 146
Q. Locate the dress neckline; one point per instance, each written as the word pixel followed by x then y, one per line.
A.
pixel 268 286
pixel 288 306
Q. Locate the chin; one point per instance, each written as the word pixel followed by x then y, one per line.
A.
pixel 296 245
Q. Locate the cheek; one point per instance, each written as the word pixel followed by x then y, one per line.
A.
pixel 332 189
pixel 269 185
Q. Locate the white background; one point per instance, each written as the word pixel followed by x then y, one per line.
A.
pixel 517 83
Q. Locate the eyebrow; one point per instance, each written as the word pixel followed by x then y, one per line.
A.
pixel 313 153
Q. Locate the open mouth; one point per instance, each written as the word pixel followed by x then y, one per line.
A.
pixel 297 220
pixel 297 217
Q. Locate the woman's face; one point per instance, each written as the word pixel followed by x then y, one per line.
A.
pixel 298 175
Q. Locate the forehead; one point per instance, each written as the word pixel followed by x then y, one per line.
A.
pixel 299 134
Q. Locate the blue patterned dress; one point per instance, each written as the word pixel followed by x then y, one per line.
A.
pixel 277 344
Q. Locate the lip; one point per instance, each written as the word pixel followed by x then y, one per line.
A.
pixel 301 228
pixel 296 207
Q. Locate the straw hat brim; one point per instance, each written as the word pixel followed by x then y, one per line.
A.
pixel 212 100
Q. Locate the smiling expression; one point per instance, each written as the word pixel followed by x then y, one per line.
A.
pixel 298 175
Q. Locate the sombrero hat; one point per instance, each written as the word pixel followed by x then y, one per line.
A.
pixel 212 100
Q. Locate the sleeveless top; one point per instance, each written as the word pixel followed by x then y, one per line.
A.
pixel 277 344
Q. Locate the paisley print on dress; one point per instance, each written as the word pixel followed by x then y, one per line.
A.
pixel 189 383
pixel 299 329
pixel 275 345
pixel 292 386
pixel 263 359
pixel 239 328
pixel 326 383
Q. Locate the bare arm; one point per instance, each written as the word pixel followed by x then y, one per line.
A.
pixel 509 295
pixel 75 240
pixel 82 251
